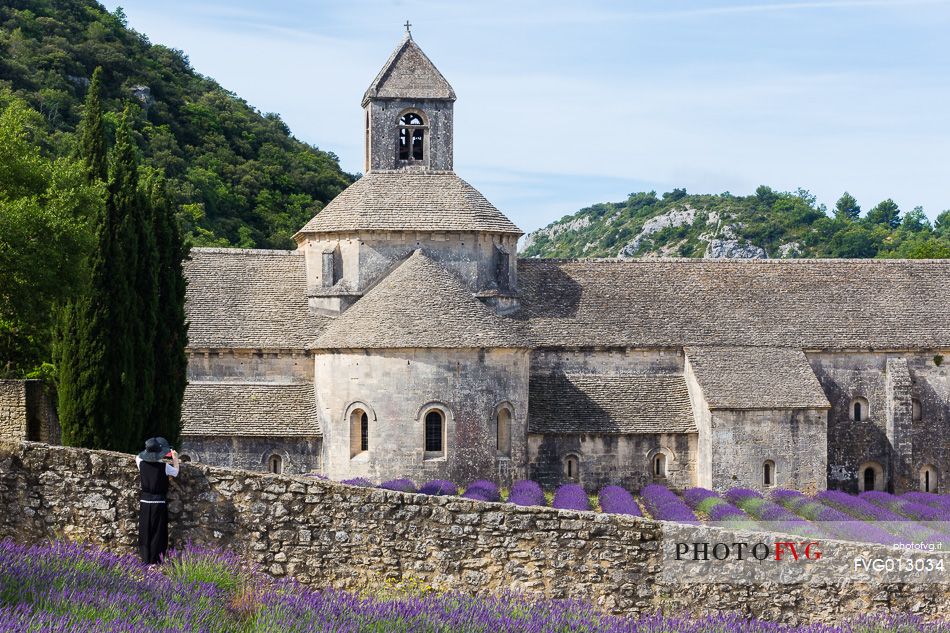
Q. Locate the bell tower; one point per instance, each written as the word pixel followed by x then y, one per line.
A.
pixel 408 114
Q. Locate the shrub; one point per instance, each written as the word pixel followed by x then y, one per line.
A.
pixel 695 496
pixel 710 503
pixel 482 490
pixel 526 493
pixel 571 497
pixel 616 500
pixel 439 488
pixel 665 505
pixel 399 485
pixel 358 481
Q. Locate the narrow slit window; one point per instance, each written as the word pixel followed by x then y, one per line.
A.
pixel 768 473
pixel 275 464
pixel 359 432
pixel 503 433
pixel 364 432
pixel 572 468
pixel 659 465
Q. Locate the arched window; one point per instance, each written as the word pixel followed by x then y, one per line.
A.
pixel 359 432
pixel 503 432
pixel 916 411
pixel 572 467
pixel 768 473
pixel 275 464
pixel 860 410
pixel 928 479
pixel 659 465
pixel 870 477
pixel 412 132
pixel 434 429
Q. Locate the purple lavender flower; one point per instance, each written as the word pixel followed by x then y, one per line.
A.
pixel 571 497
pixel 399 485
pixel 525 492
pixel 439 487
pixel 482 490
pixel 616 500
pixel 665 505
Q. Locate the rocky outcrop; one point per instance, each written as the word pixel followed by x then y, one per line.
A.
pixel 733 249
pixel 672 218
pixel 553 231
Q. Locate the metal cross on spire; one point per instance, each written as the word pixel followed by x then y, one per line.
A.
pixel 407 25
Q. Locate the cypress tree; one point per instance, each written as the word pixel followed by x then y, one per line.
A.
pixel 92 135
pixel 171 332
pixel 97 378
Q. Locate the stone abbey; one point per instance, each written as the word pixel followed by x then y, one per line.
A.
pixel 405 338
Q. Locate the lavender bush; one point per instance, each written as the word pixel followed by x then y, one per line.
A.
pixel 439 487
pixel 753 503
pixel 665 505
pixel 571 497
pixel 525 492
pixel 616 500
pixel 400 485
pixel 929 498
pixel 482 490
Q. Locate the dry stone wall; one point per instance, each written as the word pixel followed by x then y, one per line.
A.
pixel 328 534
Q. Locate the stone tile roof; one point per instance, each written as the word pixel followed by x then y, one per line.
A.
pixel 250 409
pixel 406 200
pixel 409 74
pixel 805 304
pixel 587 403
pixel 756 378
pixel 419 304
pixel 242 298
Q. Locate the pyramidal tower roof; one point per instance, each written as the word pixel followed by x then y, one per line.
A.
pixel 419 304
pixel 409 74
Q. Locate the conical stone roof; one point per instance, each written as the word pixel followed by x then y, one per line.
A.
pixel 410 201
pixel 419 305
pixel 409 74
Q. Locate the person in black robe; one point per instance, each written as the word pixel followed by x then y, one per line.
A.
pixel 154 474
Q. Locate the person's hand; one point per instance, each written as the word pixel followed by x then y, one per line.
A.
pixel 174 453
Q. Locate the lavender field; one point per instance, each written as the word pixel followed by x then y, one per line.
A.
pixel 873 517
pixel 60 587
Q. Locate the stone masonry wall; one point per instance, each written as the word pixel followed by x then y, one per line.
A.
pixel 13 414
pixel 328 534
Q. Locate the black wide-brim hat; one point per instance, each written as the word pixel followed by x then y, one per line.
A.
pixel 155 449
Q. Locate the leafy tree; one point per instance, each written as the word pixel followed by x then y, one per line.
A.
pixel 43 244
pixel 942 224
pixel 171 331
pixel 915 220
pixel 847 208
pixel 886 213
pixel 854 241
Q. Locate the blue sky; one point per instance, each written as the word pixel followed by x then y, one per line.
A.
pixel 565 104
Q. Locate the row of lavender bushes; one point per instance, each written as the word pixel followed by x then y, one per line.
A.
pixel 877 517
